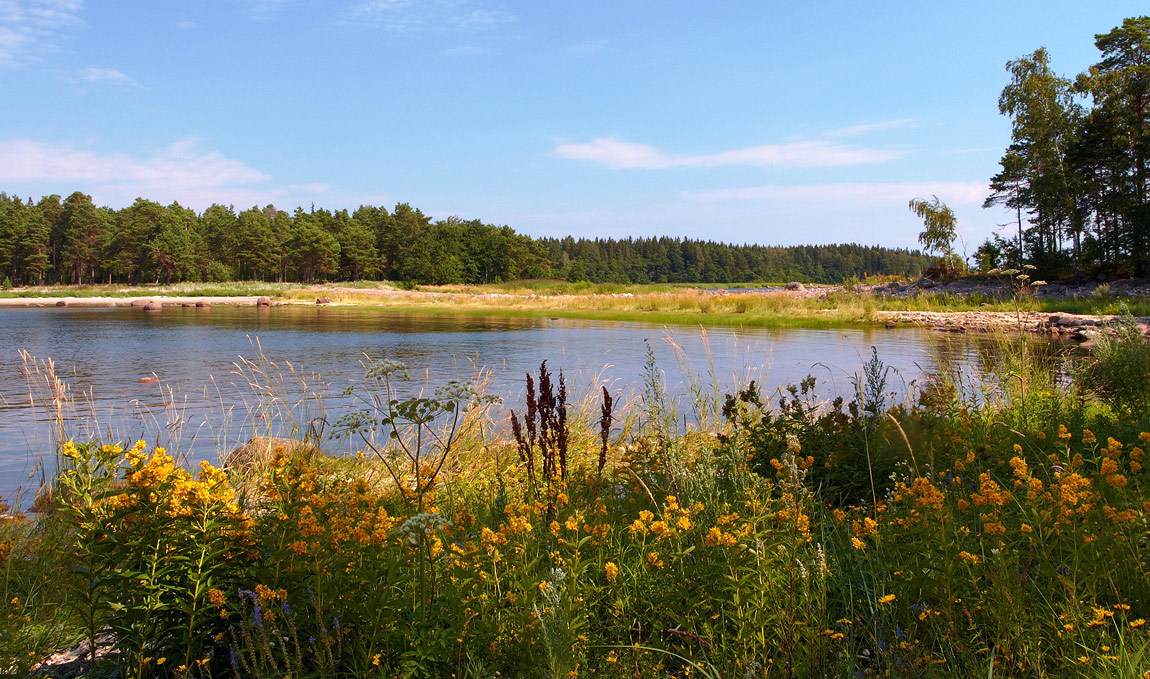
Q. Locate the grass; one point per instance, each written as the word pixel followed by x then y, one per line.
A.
pixel 658 303
pixel 940 537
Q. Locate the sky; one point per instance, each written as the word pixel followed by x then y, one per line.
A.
pixel 750 122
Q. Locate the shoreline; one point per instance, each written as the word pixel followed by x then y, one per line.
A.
pixel 692 306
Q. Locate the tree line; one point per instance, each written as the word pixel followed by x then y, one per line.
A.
pixel 1075 173
pixel 73 241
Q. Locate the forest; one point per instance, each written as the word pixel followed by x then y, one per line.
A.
pixel 74 241
pixel 1075 174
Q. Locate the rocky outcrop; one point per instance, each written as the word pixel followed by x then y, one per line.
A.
pixel 795 286
pixel 1065 326
pixel 153 306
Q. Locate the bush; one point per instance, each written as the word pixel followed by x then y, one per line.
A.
pixel 1119 367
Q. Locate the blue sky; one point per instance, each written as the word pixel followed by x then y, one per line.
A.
pixel 770 122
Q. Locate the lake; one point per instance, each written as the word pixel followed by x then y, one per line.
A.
pixel 204 402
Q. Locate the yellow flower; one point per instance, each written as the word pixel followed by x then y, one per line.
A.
pixel 1137 623
pixel 858 544
pixel 612 571
pixel 1088 437
pixel 375 660
pixel 886 599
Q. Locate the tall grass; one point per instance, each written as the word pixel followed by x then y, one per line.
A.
pixel 941 536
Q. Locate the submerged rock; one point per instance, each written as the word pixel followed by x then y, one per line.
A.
pixel 153 306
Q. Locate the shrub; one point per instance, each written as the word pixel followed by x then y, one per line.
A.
pixel 1119 367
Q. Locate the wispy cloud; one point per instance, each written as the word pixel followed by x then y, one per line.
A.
pixel 850 193
pixel 412 16
pixel 30 28
pixel 588 48
pixel 262 9
pixel 181 171
pixel 865 128
pixel 619 154
pixel 109 75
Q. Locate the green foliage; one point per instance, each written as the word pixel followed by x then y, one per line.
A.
pixel 1076 176
pixel 939 226
pixel 1119 367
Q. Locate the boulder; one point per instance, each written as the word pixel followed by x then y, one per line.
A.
pixel 153 306
pixel 61 303
pixel 260 450
pixel 188 305
pixel 202 304
pixel 140 302
pixel 264 301
pixel 323 300
pixel 148 380
pixel 795 286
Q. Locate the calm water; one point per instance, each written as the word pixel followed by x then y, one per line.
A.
pixel 202 403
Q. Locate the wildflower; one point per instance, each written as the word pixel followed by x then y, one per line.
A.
pixel 1088 437
pixel 1019 466
pixel 375 660
pixel 858 544
pixel 612 571
pixel 974 559
pixel 1137 623
pixel 1116 480
pixel 886 599
pixel 653 560
pixel 1063 432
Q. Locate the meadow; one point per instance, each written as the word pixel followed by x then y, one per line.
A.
pixel 996 528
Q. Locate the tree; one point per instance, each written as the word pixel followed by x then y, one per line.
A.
pixel 939 232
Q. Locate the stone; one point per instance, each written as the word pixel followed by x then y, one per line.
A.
pixel 141 302
pixel 153 306
pixel 188 305
pixel 148 380
pixel 323 300
pixel 61 303
pixel 202 304
pixel 260 450
pixel 795 286
pixel 263 301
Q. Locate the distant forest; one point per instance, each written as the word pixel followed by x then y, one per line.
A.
pixel 72 240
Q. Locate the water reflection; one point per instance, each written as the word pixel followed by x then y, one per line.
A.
pixel 204 402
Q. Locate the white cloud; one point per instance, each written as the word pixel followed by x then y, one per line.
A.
pixel 869 193
pixel 111 75
pixel 856 130
pixel 28 28
pixel 619 154
pixel 412 16
pixel 181 171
